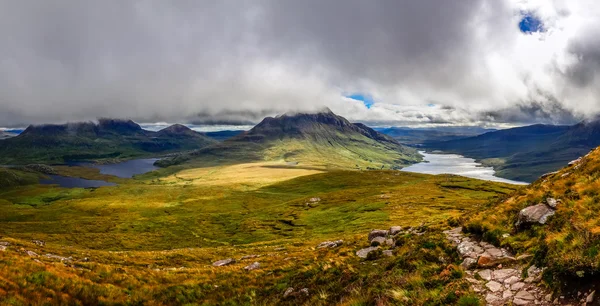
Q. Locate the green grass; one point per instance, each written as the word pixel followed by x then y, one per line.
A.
pixel 145 224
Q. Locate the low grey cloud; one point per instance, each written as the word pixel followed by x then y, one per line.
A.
pixel 219 62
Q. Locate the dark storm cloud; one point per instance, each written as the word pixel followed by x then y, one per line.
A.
pixel 548 112
pixel 236 61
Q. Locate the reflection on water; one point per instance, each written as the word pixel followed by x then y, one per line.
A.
pixel 458 165
pixel 74 182
pixel 128 168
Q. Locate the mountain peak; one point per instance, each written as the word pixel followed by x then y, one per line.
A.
pixel 121 126
pixel 178 130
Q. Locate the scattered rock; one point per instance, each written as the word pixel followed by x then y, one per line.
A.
pixel 39 242
pixel 330 244
pixel 253 266
pixel 249 257
pixel 534 214
pixel 590 297
pixel 3 248
pixel 61 258
pixel 288 292
pixel 31 253
pixel 388 253
pixel 4 243
pixel 494 286
pixel 279 249
pixel 223 262
pixel 390 242
pixel 524 257
pixel 377 233
pixel 552 202
pixel 363 253
pixel 394 230
pixel 534 272
pixel 377 241
pixel 304 291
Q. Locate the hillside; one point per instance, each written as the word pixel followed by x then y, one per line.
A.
pixel 420 136
pixel 525 153
pixel 109 138
pixel 321 139
pixel 568 244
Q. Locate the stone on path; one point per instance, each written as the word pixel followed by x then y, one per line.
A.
pixel 502 274
pixel 223 262
pixel 506 294
pixel 485 274
pixel 517 301
pixel 524 295
pixel 494 286
pixel 512 280
pixel 590 297
pixel 517 286
pixel 492 299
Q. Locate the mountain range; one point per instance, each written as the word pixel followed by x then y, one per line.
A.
pixel 321 139
pixel 420 136
pixel 108 138
pixel 525 153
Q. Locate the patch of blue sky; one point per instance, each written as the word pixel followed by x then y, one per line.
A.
pixel 530 23
pixel 366 99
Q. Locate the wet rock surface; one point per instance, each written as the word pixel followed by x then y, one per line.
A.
pixel 496 275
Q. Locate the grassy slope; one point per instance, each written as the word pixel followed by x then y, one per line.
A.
pixel 201 223
pixel 569 245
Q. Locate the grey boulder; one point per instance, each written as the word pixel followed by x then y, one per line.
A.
pixel 535 214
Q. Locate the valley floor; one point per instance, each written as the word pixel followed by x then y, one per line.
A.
pixel 154 239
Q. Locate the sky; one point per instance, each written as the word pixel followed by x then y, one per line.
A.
pixel 490 63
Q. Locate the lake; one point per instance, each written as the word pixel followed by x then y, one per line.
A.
pixel 458 165
pixel 126 169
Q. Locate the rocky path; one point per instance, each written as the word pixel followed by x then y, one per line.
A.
pixel 498 276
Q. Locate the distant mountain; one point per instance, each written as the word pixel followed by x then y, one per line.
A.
pixel 525 153
pixel 109 138
pixel 419 136
pixel 223 135
pixel 321 139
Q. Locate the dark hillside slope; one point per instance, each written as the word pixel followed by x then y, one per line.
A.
pixel 109 138
pixel 525 153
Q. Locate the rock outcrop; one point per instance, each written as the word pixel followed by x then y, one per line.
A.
pixel 534 214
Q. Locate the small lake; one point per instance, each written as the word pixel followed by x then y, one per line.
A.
pixel 74 182
pixel 458 165
pixel 126 169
